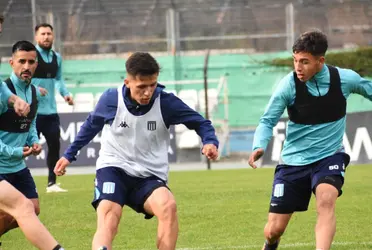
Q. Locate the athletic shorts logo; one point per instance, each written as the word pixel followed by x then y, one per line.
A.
pixel 108 188
pixel 334 167
pixel 278 190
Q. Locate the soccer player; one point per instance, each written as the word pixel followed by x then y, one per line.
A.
pixel 47 77
pixel 21 107
pixel 132 168
pixel 19 203
pixel 313 157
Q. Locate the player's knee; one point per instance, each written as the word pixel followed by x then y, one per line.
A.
pixel 325 201
pixel 112 222
pixel 108 218
pixel 273 231
pixel 24 208
pixel 167 209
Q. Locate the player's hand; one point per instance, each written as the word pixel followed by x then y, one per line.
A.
pixel 36 149
pixel 256 154
pixel 60 168
pixel 27 151
pixel 43 92
pixel 21 107
pixel 210 151
pixel 69 100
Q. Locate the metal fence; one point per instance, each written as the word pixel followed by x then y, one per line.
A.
pixel 114 26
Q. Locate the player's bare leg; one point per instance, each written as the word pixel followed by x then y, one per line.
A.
pixel 274 229
pixel 162 204
pixel 22 209
pixel 325 229
pixel 7 222
pixel 108 219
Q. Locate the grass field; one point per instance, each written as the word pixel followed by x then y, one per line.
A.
pixel 220 209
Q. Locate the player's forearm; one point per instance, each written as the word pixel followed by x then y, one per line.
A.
pixel 73 149
pixel 6 96
pixel 62 88
pixel 365 88
pixel 32 136
pixel 262 136
pixel 268 121
pixel 12 99
pixel 88 131
pixel 9 151
pixel 60 83
pixel 207 133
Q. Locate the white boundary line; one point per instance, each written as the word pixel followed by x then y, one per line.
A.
pixel 289 245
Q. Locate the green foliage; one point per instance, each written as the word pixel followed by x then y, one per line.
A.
pixel 359 60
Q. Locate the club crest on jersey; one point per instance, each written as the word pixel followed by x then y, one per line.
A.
pixel 151 125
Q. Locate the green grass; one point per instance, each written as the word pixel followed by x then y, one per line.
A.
pixel 217 210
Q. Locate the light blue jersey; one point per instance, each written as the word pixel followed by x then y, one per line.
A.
pixel 305 144
pixel 11 144
pixel 5 93
pixel 47 104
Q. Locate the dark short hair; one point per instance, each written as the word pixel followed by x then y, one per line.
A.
pixel 1 18
pixel 23 46
pixel 44 25
pixel 143 64
pixel 314 42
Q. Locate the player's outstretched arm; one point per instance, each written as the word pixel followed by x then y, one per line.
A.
pixel 90 128
pixel 104 112
pixel 282 97
pixel 352 82
pixel 60 83
pixel 175 111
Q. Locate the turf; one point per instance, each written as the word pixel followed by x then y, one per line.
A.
pixel 219 209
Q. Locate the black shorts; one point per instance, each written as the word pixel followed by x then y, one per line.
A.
pixel 293 185
pixel 115 185
pixel 23 182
